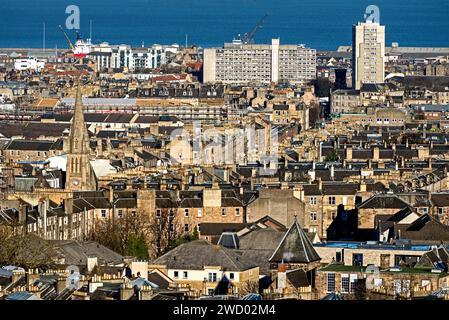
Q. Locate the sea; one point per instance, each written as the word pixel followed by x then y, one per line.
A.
pixel 320 24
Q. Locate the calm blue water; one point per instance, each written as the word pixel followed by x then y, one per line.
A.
pixel 323 24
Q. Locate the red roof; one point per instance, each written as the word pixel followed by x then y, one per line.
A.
pixel 195 65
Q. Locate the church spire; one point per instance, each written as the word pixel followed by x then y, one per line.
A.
pixel 79 138
pixel 79 174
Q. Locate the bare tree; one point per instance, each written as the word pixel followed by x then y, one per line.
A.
pixel 250 287
pixel 27 251
pixel 116 234
pixel 164 231
pixel 129 234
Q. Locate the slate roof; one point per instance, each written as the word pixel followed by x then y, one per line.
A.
pixel 331 189
pixel 295 247
pixel 197 254
pixel 22 296
pixel 280 107
pixel 147 119
pixel 401 214
pixel 229 240
pixel 90 203
pixel 158 279
pixel 440 199
pixel 425 228
pixel 211 228
pixel 263 239
pixel 76 252
pixel 32 130
pixel 438 257
pixel 27 145
pixel 384 201
pixel 298 278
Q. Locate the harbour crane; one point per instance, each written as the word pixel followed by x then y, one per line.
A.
pixel 81 50
pixel 248 37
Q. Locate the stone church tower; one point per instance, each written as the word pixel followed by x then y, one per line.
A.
pixel 79 174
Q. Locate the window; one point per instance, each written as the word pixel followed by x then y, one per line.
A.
pixel 345 283
pixel 176 274
pixel 313 200
pixel 186 227
pixel 103 213
pixel 440 211
pixel 425 210
pixel 353 281
pixel 223 211
pixel 158 213
pixel 357 259
pixel 377 282
pixel 120 214
pixel 237 211
pixel 172 213
pixel 231 276
pixel 185 275
pixel 186 212
pixel 338 256
pixel 313 216
pixel 331 282
pixel 331 200
pixel 212 277
pixel 200 212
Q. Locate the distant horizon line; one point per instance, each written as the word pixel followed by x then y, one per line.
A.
pixel 52 49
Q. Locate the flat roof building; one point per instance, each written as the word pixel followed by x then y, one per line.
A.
pixel 368 50
pixel 259 63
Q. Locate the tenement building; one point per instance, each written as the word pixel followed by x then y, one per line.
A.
pixel 261 63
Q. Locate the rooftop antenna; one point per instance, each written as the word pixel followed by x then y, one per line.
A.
pixel 43 37
pixel 90 34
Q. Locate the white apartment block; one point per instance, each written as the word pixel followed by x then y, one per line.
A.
pixel 259 63
pixel 124 56
pixel 368 50
pixel 29 64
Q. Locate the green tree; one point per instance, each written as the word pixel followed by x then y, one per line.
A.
pixel 333 156
pixel 195 235
pixel 136 246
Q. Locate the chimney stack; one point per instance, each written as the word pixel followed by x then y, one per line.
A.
pixel 376 153
pixel 320 184
pixel 362 186
pixel 349 153
pixel 99 148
